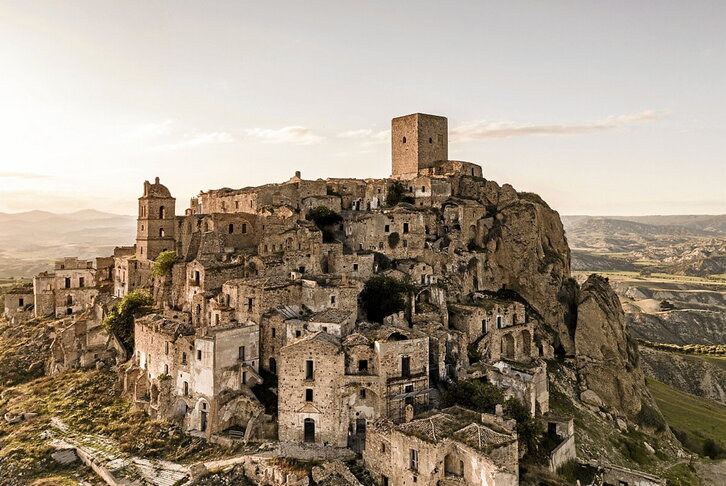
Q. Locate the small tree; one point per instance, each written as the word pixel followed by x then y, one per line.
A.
pixel 712 449
pixel 382 296
pixel 666 305
pixel 120 319
pixel 381 261
pixel 475 395
pixel 528 429
pixel 393 239
pixel 396 195
pixel 325 218
pixel 163 263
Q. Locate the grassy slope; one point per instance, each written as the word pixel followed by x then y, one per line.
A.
pixel 701 417
pixel 87 403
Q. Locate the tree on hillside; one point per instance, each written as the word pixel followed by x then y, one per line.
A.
pixel 120 319
pixel 163 263
pixel 396 193
pixel 382 296
pixel 325 219
pixel 474 395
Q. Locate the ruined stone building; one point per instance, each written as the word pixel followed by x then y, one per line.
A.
pixel 259 332
pixel 331 389
pixel 452 447
pixel 202 378
pixel 71 287
pixel 19 304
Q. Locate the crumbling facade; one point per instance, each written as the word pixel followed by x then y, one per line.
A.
pixel 19 304
pixel 454 446
pixel 71 287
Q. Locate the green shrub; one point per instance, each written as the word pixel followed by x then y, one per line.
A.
pixel 474 395
pixel 713 449
pixel 687 440
pixel 325 219
pixel 381 261
pixel 395 194
pixel 632 447
pixel 650 417
pixel 163 263
pixel 573 471
pixel 529 431
pixel 382 296
pixel 474 355
pixel 120 319
pixel 393 239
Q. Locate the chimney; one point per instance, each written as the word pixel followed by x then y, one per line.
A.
pixel 297 174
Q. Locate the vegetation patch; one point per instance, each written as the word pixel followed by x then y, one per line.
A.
pixel 120 318
pixel 325 219
pixel 163 263
pixel 382 296
pixel 681 475
pixel 650 417
pixel 23 350
pixel 396 194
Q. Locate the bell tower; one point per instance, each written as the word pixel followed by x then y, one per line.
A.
pixel 156 222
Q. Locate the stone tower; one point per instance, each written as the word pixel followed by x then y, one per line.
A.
pixel 417 141
pixel 156 222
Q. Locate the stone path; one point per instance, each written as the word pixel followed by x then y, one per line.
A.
pixel 111 465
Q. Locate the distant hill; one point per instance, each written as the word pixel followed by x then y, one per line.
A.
pixel 32 240
pixel 682 244
pixel 704 222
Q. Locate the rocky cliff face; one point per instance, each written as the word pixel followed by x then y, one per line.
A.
pixel 606 355
pixel 527 252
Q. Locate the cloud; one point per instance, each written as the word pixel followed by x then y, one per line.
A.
pixel 295 135
pixel 153 129
pixel 197 140
pixel 367 134
pixel 483 129
pixel 22 175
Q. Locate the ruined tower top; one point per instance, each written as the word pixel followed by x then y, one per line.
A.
pixel 157 189
pixel 417 141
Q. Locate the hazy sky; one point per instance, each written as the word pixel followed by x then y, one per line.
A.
pixel 600 107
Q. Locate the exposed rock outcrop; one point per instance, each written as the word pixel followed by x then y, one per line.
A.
pixel 528 253
pixel 607 357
